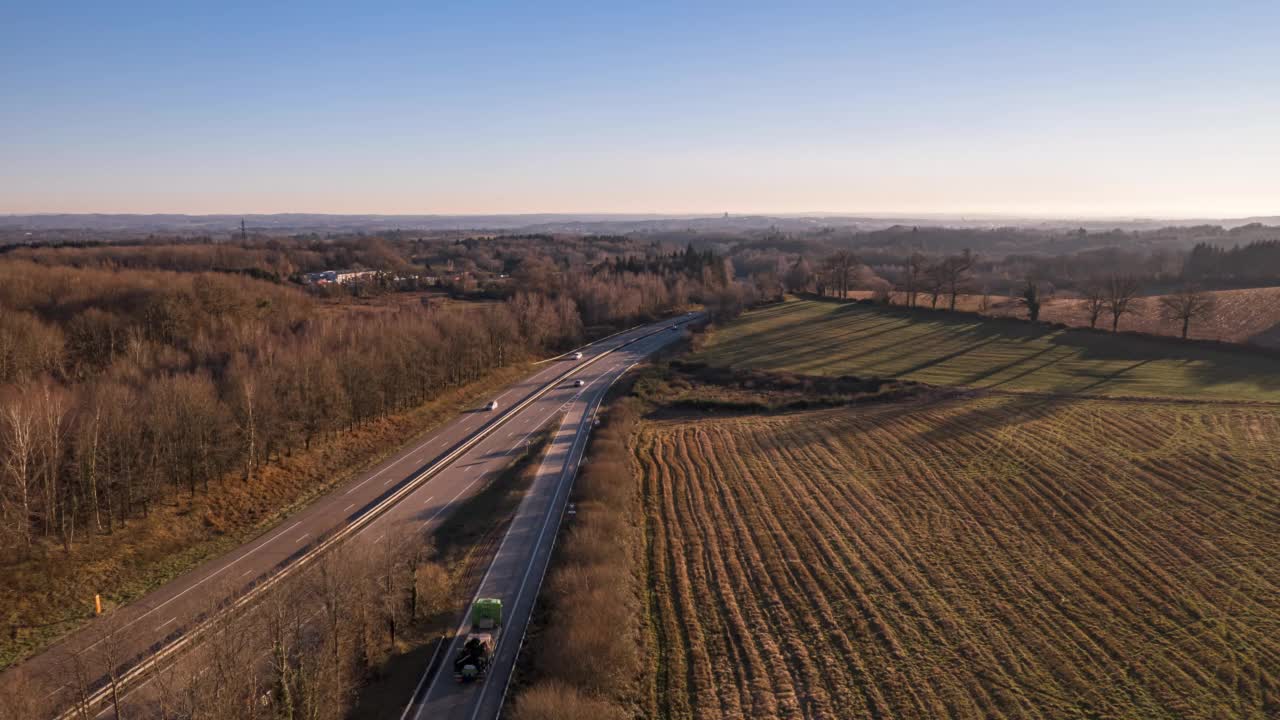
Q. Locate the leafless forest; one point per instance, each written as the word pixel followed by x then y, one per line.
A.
pixel 137 374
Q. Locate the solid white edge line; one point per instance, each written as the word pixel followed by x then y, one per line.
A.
pixel 480 587
pixel 568 471
pixel 419 480
pixel 506 685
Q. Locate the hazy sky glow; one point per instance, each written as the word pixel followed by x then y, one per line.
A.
pixel 1082 108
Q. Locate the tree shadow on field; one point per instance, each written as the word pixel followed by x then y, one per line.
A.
pixel 947 332
pixel 816 341
pixel 984 418
pixel 944 358
pixel 802 335
pixel 1083 360
pixel 1269 338
pixel 819 361
pixel 827 354
pixel 978 377
pixel 1207 366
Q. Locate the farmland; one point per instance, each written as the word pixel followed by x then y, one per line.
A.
pixel 827 338
pixel 1240 316
pixel 1251 315
pixel 998 556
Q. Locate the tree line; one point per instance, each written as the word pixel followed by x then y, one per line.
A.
pixel 922 279
pixel 1256 262
pixel 118 387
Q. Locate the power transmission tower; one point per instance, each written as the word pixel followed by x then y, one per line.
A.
pixel 243 234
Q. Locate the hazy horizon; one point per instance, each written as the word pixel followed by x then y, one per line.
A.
pixel 606 215
pixel 996 109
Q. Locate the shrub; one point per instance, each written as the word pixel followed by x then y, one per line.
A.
pixel 555 700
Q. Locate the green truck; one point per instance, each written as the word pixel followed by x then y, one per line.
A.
pixel 473 658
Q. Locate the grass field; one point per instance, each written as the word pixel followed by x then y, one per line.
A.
pixel 1004 556
pixel 830 338
pixel 1250 315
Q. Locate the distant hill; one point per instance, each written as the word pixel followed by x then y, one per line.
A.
pixel 566 222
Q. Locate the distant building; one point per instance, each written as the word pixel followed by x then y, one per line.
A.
pixel 347 276
pixel 322 278
pixel 339 277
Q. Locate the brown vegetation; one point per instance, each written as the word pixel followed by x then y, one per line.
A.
pixel 51 591
pixel 997 557
pixel 122 390
pixel 587 656
pixel 443 574
pixel 1238 316
pixel 1186 305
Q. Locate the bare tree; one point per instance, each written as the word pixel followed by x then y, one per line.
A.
pixel 1094 301
pixel 1186 305
pixel 51 427
pixel 799 275
pixel 77 669
pixel 284 628
pixel 396 581
pixel 87 450
pixel 841 266
pixel 229 684
pixel 935 281
pixel 19 420
pixel 956 274
pixel 244 394
pixel 917 267
pixel 1121 297
pixel 111 650
pixel 163 678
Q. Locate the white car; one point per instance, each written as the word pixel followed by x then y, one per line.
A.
pixel 577 356
pixel 493 405
pixel 578 383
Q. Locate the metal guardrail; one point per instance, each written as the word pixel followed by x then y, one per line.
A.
pixel 134 673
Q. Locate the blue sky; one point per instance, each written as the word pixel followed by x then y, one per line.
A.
pixel 1079 108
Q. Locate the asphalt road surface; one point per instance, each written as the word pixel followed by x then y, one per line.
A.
pixel 412 492
pixel 516 572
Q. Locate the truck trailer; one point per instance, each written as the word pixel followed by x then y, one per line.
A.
pixel 475 655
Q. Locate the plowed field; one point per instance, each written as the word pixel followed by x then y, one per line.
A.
pixel 996 557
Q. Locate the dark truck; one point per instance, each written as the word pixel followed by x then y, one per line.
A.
pixel 473 658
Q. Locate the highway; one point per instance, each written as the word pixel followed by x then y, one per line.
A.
pixel 409 493
pixel 516 571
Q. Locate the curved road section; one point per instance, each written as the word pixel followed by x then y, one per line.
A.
pixel 412 492
pixel 516 572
